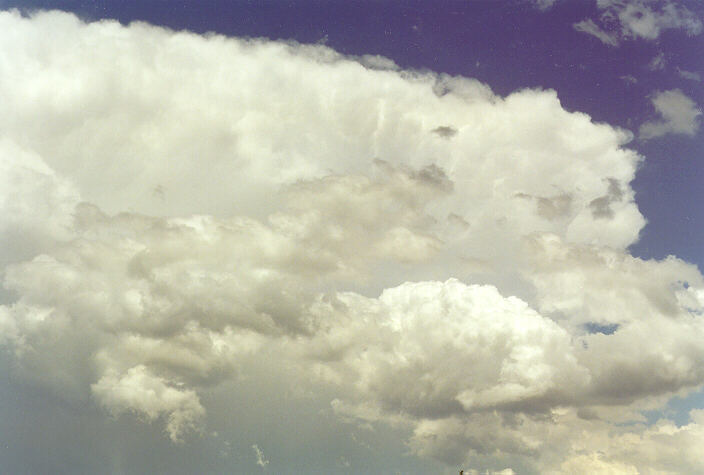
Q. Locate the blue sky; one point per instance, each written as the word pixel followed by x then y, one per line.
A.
pixel 227 220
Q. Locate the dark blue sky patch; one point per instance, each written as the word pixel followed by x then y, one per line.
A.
pixel 603 328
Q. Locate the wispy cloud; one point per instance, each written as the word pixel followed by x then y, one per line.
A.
pixel 658 62
pixel 589 27
pixel 639 19
pixel 544 4
pixel 261 460
pixel 689 75
pixel 629 79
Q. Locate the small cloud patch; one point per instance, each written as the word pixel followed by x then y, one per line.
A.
pixel 629 79
pixel 445 131
pixel 679 115
pixel 689 75
pixel 658 62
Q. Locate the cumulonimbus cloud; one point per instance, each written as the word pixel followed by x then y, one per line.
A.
pixel 177 204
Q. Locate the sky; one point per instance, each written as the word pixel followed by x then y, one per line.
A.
pixel 352 237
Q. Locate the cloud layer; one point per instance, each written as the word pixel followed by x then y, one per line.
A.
pixel 434 256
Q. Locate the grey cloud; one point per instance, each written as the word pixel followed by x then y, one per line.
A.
pixel 436 177
pixel 466 88
pixel 656 289
pixel 445 131
pixel 601 207
pixel 553 207
pixel 195 294
pixel 587 414
pixel 378 63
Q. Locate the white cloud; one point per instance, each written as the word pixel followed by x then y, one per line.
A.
pixel 639 19
pixel 433 349
pixel 679 115
pixel 191 211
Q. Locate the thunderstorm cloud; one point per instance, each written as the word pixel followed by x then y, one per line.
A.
pixel 183 212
